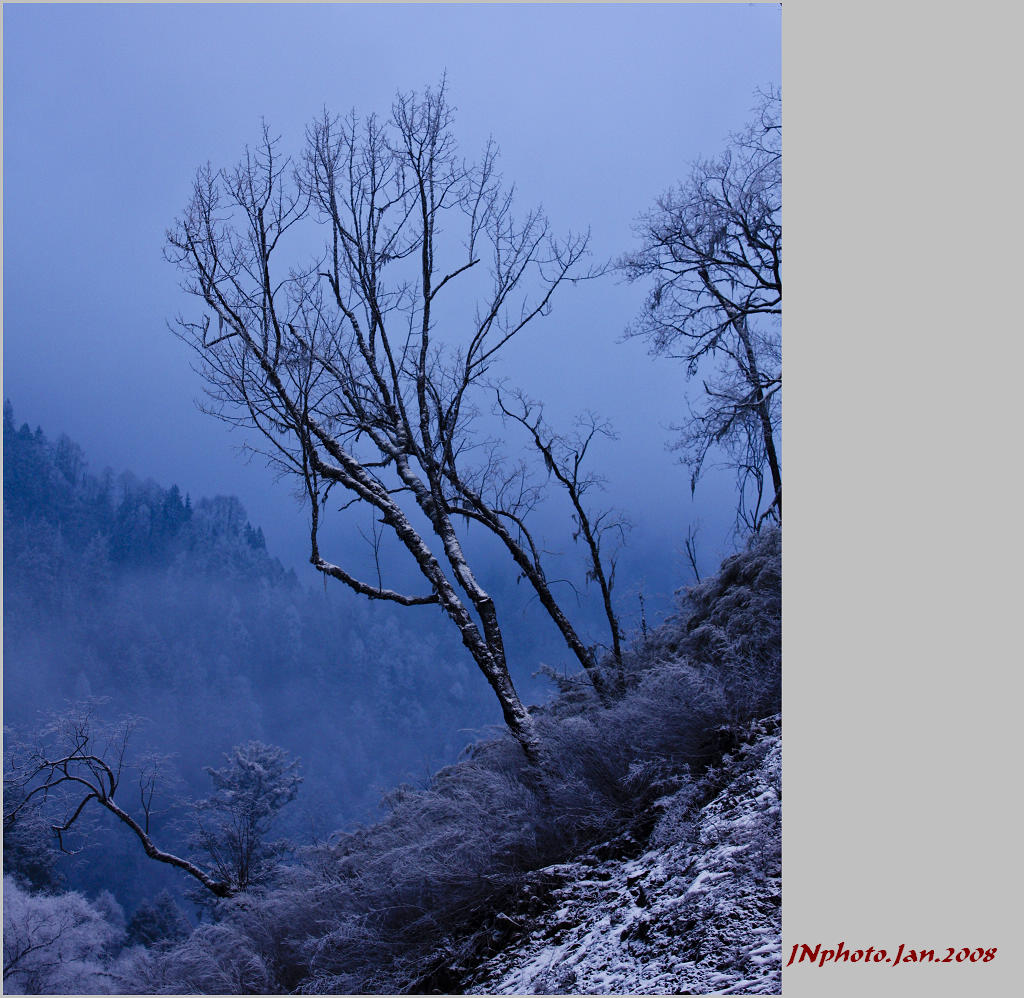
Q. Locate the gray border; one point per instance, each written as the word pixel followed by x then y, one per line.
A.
pixel 902 545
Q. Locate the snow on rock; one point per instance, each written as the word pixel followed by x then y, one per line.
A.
pixel 699 911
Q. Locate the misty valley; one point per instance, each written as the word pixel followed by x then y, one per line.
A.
pixel 461 745
pixel 129 600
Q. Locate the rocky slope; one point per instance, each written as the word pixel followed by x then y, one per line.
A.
pixel 692 908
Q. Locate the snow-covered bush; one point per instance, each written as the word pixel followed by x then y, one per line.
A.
pixel 215 959
pixel 729 626
pixel 382 908
pixel 256 781
pixel 159 922
pixel 55 943
pixel 30 852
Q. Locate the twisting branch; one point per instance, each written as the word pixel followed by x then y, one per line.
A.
pixel 336 572
pixel 85 763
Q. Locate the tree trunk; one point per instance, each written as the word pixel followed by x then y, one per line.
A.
pixel 763 414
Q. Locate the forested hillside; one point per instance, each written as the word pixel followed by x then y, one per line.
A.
pixel 490 874
pixel 172 609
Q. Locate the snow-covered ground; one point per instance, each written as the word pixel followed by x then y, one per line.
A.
pixel 699 911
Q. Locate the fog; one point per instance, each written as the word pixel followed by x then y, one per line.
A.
pixel 108 111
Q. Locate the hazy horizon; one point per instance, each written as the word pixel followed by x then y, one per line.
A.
pixel 108 112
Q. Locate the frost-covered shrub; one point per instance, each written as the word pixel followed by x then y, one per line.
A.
pixel 55 943
pixel 110 908
pixel 159 922
pixel 29 850
pixel 232 825
pixel 382 908
pixel 215 959
pixel 379 907
pixel 678 811
pixel 730 627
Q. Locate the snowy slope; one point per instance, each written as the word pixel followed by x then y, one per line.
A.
pixel 698 911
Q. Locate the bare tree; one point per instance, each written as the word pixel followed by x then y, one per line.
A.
pixel 361 370
pixel 713 246
pixel 80 760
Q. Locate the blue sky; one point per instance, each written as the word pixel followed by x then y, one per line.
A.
pixel 109 110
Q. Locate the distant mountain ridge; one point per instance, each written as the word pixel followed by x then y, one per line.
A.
pixel 140 522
